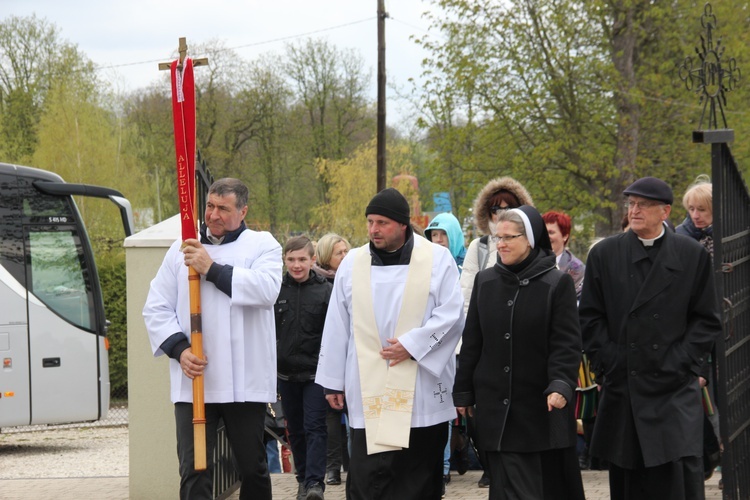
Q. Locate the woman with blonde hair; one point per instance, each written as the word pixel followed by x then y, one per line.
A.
pixel 329 252
pixel 698 224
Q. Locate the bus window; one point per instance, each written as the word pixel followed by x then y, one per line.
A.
pixel 58 276
pixel 39 206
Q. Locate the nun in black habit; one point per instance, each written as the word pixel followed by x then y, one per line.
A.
pixel 518 365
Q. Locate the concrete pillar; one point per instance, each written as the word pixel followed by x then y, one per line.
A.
pixel 153 444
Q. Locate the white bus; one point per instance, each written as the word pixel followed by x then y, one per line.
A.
pixel 53 344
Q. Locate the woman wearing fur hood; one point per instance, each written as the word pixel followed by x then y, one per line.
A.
pixel 497 195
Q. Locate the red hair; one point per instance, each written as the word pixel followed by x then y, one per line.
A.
pixel 561 219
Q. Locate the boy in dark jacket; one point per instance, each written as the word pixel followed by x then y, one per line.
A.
pixel 300 314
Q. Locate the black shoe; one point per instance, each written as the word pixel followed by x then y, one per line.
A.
pixel 314 492
pixel 710 462
pixel 462 461
pixel 447 478
pixel 584 463
pixel 484 481
pixel 333 478
pixel 442 492
pixel 301 491
pixel 598 464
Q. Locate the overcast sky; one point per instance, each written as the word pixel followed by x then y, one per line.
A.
pixel 134 35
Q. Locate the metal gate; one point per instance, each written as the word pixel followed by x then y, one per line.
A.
pixel 731 232
pixel 731 208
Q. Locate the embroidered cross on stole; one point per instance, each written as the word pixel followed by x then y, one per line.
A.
pixel 388 392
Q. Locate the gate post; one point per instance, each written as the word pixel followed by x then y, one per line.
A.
pixel 711 78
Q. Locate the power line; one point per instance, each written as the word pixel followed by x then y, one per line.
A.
pixel 255 44
pixel 413 26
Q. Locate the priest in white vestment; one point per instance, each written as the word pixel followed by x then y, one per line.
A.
pixel 393 322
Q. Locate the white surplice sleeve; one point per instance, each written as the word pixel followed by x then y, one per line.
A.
pixel 334 345
pixel 258 283
pixel 433 344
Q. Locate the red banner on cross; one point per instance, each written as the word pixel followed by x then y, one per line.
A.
pixel 183 114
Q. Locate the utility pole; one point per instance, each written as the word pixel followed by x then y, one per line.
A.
pixel 382 15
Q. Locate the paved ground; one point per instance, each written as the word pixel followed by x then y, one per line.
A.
pixel 284 487
pixel 92 463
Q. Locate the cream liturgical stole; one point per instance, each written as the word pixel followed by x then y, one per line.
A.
pixel 388 392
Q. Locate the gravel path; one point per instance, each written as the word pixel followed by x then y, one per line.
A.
pixel 78 452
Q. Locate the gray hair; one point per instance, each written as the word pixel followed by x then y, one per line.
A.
pixel 515 218
pixel 229 185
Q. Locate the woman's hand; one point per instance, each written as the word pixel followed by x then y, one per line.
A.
pixel 466 410
pixel 556 400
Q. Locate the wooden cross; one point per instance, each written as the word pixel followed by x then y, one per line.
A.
pixel 183 51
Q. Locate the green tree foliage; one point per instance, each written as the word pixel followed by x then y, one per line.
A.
pixel 32 58
pixel 330 100
pixel 731 39
pixel 265 122
pixel 263 138
pixel 523 89
pixel 331 87
pixel 352 184
pixel 112 277
pixel 574 98
pixel 82 141
pixel 148 114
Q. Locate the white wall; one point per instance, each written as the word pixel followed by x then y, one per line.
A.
pixel 153 444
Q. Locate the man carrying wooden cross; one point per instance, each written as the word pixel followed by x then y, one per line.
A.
pixel 393 322
pixel 240 279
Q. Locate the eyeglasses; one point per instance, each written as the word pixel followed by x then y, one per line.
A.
pixel 496 208
pixel 509 237
pixel 642 205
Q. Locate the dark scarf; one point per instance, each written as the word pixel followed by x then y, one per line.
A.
pixel 517 268
pixel 402 256
pixel 698 234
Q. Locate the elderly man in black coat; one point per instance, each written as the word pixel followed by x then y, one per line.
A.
pixel 649 317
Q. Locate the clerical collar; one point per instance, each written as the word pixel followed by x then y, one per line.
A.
pixel 213 239
pixel 209 239
pixel 650 242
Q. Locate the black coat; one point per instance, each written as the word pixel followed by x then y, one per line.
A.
pixel 647 334
pixel 521 342
pixel 300 314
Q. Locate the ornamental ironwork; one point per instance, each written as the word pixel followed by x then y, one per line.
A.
pixel 710 76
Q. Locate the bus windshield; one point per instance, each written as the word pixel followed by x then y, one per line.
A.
pixel 58 275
